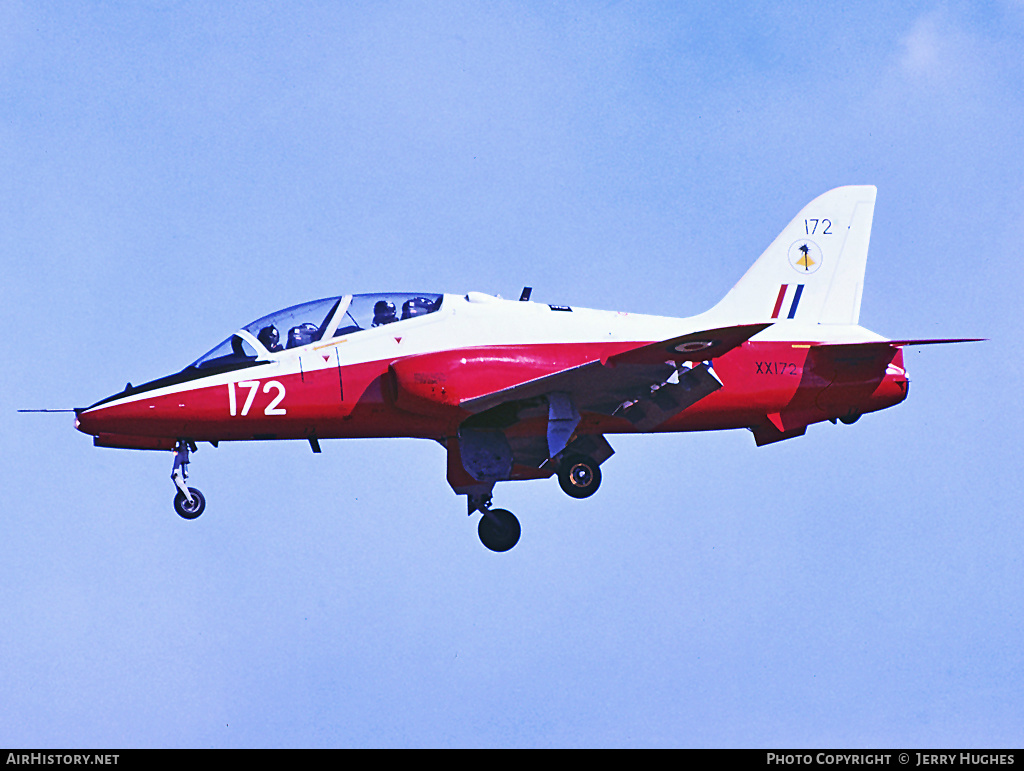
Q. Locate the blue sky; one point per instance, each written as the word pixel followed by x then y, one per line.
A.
pixel 170 171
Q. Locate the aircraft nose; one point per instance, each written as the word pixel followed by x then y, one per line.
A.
pixel 106 415
pixel 90 420
pixel 125 425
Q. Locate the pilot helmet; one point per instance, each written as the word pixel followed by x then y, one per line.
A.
pixel 270 337
pixel 303 334
pixel 383 312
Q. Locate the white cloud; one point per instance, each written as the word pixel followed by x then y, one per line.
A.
pixel 953 69
pixel 925 51
pixel 939 51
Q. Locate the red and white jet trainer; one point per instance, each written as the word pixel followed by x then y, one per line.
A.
pixel 523 390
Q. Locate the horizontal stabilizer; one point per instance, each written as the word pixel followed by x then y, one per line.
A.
pixel 937 341
pixel 880 346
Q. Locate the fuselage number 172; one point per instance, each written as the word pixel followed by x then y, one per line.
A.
pixel 273 408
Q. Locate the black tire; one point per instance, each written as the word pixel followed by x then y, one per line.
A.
pixel 184 509
pixel 579 477
pixel 498 529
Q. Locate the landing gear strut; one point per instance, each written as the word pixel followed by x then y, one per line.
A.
pixel 498 529
pixel 189 502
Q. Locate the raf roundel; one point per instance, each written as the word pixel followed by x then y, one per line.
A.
pixel 805 256
pixel 694 345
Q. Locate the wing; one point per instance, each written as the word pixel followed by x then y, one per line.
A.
pixel 646 385
pixel 603 385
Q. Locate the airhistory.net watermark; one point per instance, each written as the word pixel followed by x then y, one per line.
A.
pixel 60 759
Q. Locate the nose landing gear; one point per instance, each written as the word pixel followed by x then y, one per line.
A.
pixel 188 502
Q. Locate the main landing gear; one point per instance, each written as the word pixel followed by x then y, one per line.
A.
pixel 498 529
pixel 578 475
pixel 189 502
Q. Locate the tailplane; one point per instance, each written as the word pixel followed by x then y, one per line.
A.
pixel 814 270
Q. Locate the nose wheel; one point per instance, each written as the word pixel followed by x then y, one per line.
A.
pixel 188 502
pixel 190 509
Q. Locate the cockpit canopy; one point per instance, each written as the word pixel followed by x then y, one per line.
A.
pixel 314 321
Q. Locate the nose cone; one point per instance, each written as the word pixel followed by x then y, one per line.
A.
pixel 119 421
pixel 132 411
pixel 109 419
pixel 104 415
pixel 90 420
pixel 139 410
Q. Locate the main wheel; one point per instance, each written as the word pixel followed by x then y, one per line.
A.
pixel 498 529
pixel 579 477
pixel 186 509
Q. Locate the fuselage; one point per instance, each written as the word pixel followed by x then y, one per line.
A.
pixel 407 377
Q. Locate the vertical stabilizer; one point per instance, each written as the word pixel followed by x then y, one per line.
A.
pixel 814 271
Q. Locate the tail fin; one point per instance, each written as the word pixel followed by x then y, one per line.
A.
pixel 814 271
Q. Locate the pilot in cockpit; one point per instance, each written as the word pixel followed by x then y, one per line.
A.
pixel 271 339
pixel 384 313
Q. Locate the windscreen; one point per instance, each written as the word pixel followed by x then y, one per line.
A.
pixel 290 328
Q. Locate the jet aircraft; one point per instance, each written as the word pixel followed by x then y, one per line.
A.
pixel 515 389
